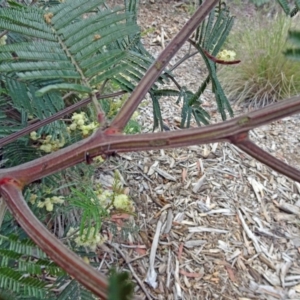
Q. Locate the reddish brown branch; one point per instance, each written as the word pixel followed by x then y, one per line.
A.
pixel 234 131
pixel 269 160
pixel 159 65
pixel 65 258
pixel 106 142
pixel 12 137
pixel 220 61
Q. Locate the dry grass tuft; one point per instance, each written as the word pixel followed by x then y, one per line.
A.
pixel 265 75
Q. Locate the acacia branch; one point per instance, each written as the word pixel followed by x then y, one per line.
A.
pixel 55 249
pixel 159 65
pixel 14 136
pixel 104 142
pixel 252 149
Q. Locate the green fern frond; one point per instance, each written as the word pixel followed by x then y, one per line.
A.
pixel 208 28
pixel 201 116
pixel 18 152
pixel 8 126
pixel 25 246
pixel 25 264
pixel 76 43
pixel 69 11
pixel 285 6
pixel 91 211
pixel 211 37
pixel 79 31
pixel 137 66
pixel 223 37
pixel 294 38
pixel 124 83
pixel 63 86
pixel 74 291
pixel 46 51
pixel 7 295
pixel 218 26
pixel 105 62
pixel 18 282
pixel 186 111
pixel 222 101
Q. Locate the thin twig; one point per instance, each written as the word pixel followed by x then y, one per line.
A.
pixel 137 258
pixel 14 136
pixel 115 246
pixel 184 58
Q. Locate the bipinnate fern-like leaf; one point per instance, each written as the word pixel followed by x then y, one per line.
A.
pixel 285 6
pixel 210 36
pixel 73 290
pixel 24 246
pixel 28 265
pixel 75 42
pixel 22 283
pixel 22 266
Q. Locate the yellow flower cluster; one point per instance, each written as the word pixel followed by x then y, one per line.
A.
pixel 123 202
pixel 49 202
pixel 98 159
pixel 226 55
pixel 47 144
pixel 89 238
pixel 109 199
pixel 3 40
pixel 79 122
pixel 135 115
pixel 104 197
pixel 32 198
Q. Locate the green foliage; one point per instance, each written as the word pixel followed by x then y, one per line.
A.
pixel 91 212
pixel 56 54
pixel 132 127
pixel 78 46
pixel 288 10
pixel 70 48
pixel 210 36
pixel 73 290
pixel 264 75
pixel 22 266
pixel 294 39
pixel 259 2
pixel 120 286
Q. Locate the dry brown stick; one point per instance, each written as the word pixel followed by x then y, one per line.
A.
pixel 131 269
